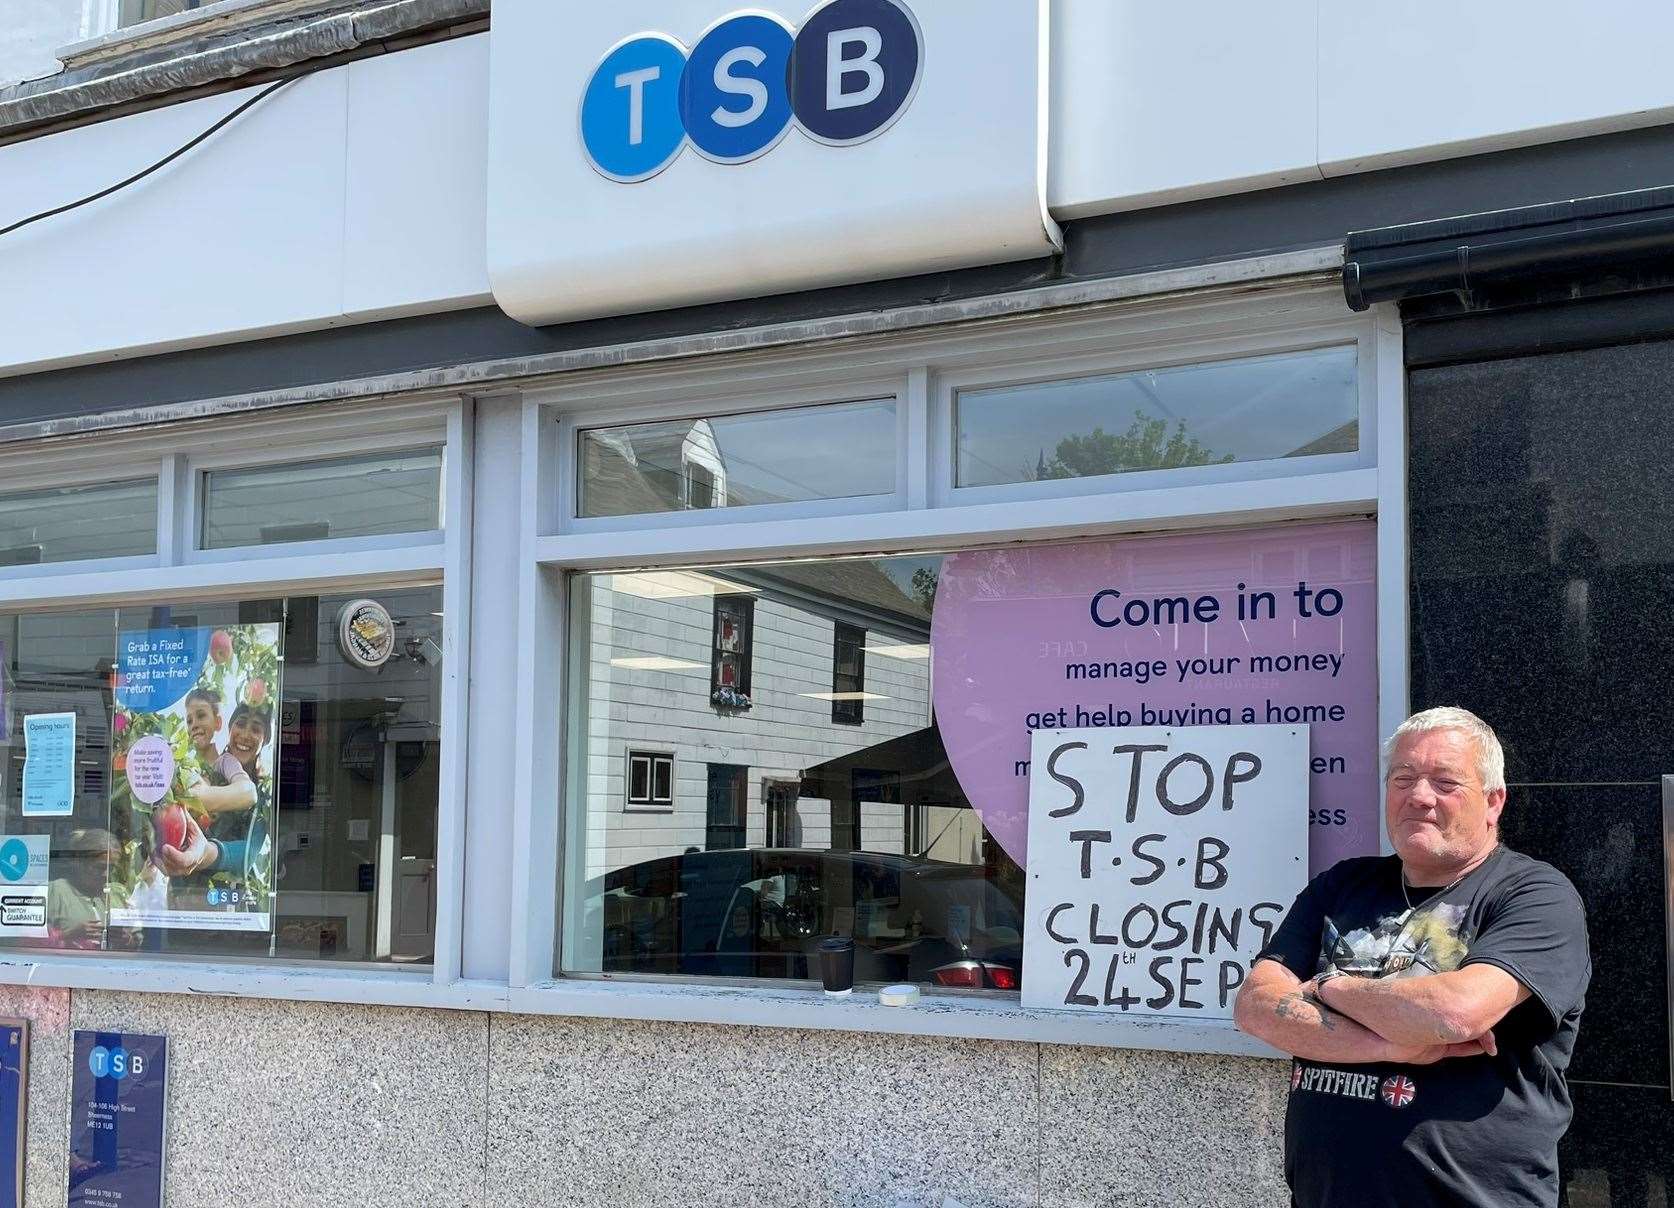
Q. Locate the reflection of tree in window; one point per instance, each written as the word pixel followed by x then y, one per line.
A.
pixel 925 582
pixel 1146 445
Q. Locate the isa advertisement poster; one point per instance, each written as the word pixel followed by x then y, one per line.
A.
pixel 192 777
pixel 118 1102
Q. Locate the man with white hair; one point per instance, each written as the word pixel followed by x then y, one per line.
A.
pixel 1430 998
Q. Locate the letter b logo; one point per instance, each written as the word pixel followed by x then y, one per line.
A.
pixel 845 77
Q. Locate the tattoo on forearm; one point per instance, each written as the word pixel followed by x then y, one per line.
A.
pixel 1308 1008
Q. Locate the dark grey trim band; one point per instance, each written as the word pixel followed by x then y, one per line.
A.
pixel 1591 237
pixel 1273 221
pixel 1316 267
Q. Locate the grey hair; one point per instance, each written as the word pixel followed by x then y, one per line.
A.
pixel 1490 757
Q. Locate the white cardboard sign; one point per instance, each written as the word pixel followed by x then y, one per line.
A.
pixel 1160 861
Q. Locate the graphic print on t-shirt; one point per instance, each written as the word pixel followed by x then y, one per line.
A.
pixel 1412 943
pixel 1399 1090
pixel 1407 943
pixel 1329 1080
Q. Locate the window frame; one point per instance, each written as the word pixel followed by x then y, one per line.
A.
pixel 745 654
pixel 103 18
pixel 651 804
pixel 855 716
pixel 175 573
pixel 507 931
pixel 930 514
pixel 1113 363
pixel 613 403
pixel 85 479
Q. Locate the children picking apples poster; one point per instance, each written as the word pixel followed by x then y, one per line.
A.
pixel 193 774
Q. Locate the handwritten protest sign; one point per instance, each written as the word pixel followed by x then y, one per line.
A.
pixel 1160 862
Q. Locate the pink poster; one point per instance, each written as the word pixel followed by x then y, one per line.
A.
pixel 1264 626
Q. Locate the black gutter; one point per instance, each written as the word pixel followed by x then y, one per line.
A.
pixel 1620 234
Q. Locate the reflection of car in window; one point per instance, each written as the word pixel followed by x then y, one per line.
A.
pixel 759 913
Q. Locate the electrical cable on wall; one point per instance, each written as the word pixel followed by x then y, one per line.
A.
pixel 156 167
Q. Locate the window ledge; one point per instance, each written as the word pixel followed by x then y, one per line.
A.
pixel 971 1018
pixel 395 987
pixel 229 43
pixel 974 1017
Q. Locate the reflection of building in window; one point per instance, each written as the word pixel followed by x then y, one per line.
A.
pixel 784 825
pixel 727 821
pixel 666 467
pixel 654 657
pixel 650 778
pixel 700 486
pixel 729 657
pixel 848 675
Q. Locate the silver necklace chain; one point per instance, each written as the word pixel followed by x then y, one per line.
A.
pixel 1444 889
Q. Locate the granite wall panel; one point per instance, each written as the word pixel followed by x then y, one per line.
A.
pixel 336 1106
pixel 318 1104
pixel 1126 1127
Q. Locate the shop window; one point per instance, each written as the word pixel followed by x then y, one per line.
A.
pixel 859 833
pixel 839 451
pixel 848 675
pixel 650 780
pixel 1285 406
pixel 729 655
pixel 71 524
pixel 190 788
pixel 372 496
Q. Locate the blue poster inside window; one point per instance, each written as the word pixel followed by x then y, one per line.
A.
pixel 118 1105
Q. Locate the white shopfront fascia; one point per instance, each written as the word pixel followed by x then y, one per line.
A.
pixel 956 177
pixel 495 950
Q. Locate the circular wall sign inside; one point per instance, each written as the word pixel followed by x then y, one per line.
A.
pixel 366 633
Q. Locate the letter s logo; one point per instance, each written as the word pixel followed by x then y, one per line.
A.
pixel 731 112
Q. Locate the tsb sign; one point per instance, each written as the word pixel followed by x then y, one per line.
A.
pixel 115 1063
pixel 844 77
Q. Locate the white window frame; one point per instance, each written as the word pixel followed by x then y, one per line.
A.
pixel 650 805
pixel 101 18
pixel 401 430
pixel 928 513
pixel 619 403
pixel 175 454
pixel 1056 369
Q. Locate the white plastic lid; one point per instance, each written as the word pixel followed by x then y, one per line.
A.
pixel 898 996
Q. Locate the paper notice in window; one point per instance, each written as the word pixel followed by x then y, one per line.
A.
pixel 23 911
pixel 49 764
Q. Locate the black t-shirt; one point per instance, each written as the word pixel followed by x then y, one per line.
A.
pixel 1465 1131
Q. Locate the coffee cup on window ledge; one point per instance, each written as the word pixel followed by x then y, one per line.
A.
pixel 837 964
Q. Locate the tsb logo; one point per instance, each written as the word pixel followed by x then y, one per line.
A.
pixel 115 1063
pixel 844 77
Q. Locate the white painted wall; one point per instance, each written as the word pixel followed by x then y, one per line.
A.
pixel 781 735
pixel 353 194
pixel 30 30
pixel 361 192
pixel 1153 104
